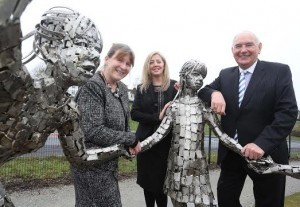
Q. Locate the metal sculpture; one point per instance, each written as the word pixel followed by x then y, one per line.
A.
pixel 70 45
pixel 187 177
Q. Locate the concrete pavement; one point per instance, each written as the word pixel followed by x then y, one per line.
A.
pixel 132 194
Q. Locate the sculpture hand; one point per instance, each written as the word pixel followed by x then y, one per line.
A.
pixel 262 165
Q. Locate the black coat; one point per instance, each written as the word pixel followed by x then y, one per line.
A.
pixel 267 113
pixel 151 164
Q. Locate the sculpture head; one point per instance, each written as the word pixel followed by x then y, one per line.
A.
pixel 192 74
pixel 70 43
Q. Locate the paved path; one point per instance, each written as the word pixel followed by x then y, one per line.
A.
pixel 132 194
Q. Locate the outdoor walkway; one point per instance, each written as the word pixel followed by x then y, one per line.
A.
pixel 132 194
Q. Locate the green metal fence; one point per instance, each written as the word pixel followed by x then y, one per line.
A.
pixel 50 163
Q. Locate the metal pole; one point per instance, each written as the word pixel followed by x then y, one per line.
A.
pixel 290 143
pixel 209 145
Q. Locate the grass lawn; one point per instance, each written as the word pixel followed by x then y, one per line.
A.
pixel 25 169
pixel 292 200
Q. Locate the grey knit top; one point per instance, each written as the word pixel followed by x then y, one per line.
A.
pixel 104 117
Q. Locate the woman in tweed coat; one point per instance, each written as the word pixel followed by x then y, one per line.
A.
pixel 104 106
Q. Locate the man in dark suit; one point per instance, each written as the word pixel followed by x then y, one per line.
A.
pixel 261 122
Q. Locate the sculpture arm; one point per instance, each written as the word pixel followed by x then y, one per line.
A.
pixel 264 165
pixel 71 138
pixel 161 132
pixel 229 142
pixel 72 141
pixel 293 171
pixel 268 166
pixel 77 154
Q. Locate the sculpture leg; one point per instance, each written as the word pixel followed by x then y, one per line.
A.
pixel 203 205
pixel 178 204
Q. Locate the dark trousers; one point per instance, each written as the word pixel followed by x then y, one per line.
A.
pixel 269 189
pixel 160 198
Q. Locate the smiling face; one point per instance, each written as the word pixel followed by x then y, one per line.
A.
pixel 245 49
pixel 156 65
pixel 117 66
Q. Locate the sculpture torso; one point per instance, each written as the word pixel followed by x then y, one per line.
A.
pixel 187 178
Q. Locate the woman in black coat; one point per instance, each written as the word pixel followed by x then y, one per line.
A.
pixel 151 101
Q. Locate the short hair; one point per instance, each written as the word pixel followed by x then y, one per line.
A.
pixel 123 51
pixel 256 39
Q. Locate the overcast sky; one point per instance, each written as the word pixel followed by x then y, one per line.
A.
pixel 190 29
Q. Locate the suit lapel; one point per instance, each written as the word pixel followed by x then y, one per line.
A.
pixel 233 87
pixel 255 81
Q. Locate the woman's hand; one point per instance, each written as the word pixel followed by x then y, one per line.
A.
pixel 177 86
pixel 136 149
pixel 163 112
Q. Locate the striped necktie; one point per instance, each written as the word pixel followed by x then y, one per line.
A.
pixel 242 89
pixel 242 86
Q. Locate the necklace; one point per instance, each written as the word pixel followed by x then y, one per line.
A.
pixel 160 97
pixel 115 92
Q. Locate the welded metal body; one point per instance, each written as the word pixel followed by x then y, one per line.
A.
pixel 70 46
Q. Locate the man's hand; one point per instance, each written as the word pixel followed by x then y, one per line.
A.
pixel 218 104
pixel 252 151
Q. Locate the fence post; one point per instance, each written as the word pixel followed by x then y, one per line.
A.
pixel 209 145
pixel 290 144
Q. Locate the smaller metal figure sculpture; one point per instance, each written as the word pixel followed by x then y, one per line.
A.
pixel 187 178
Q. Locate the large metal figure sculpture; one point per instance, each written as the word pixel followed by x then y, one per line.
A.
pixel 70 45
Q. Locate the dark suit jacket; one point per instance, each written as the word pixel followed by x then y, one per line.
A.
pixel 151 164
pixel 267 113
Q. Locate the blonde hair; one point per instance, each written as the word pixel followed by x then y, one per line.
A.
pixel 147 77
